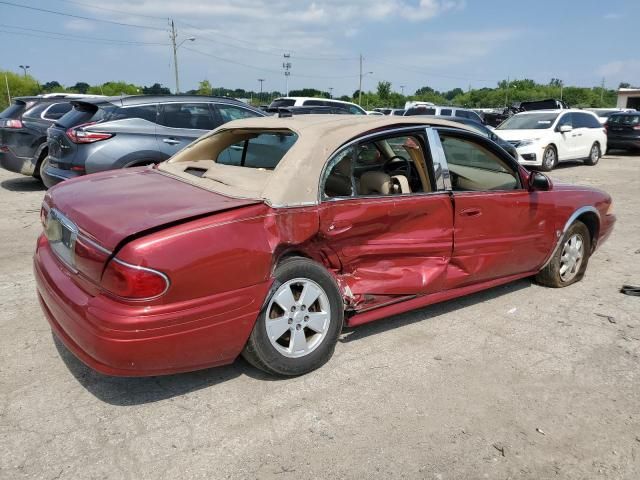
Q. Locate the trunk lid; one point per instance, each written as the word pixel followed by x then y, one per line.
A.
pixel 115 205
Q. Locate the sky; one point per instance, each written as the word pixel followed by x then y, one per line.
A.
pixel 411 43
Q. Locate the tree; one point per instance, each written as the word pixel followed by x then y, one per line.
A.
pixel 52 86
pixel 156 89
pixel 624 85
pixel 204 88
pixel 19 85
pixel 81 87
pixel 555 82
pixel 384 89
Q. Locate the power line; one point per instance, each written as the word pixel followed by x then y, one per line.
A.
pixel 122 24
pixel 99 7
pixel 98 42
pixel 81 37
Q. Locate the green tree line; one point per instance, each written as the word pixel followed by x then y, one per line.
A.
pixel 503 94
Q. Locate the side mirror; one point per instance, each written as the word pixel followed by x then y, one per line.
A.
pixel 565 128
pixel 539 182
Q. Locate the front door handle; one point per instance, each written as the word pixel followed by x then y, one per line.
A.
pixel 471 212
pixel 171 141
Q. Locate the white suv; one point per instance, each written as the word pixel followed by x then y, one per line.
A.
pixel 545 137
pixel 317 102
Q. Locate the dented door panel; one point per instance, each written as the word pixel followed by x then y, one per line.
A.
pixel 390 245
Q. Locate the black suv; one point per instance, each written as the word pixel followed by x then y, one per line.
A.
pixel 23 130
pixel 131 131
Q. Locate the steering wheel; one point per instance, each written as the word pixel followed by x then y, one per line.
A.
pixel 405 169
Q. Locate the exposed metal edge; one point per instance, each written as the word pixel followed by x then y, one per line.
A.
pixel 567 225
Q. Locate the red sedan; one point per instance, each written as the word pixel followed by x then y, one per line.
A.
pixel 266 236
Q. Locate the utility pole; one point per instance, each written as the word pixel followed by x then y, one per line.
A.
pixel 173 35
pixel 602 91
pixel 402 90
pixel 260 80
pixel 506 95
pixel 360 85
pixel 561 87
pixel 6 81
pixel 286 65
pixel 330 92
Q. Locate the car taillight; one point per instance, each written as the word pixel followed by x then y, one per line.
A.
pixel 12 123
pixel 89 258
pixel 79 135
pixel 636 127
pixel 133 282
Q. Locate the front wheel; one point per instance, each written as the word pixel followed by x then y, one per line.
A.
pixel 594 155
pixel 298 328
pixel 549 159
pixel 569 261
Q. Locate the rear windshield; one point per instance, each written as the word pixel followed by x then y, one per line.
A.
pixel 529 121
pixel 263 150
pixel 282 102
pixel 624 119
pixel 420 111
pixel 85 113
pixel 13 111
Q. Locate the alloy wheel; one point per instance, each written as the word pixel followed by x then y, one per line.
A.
pixel 595 153
pixel 571 257
pixel 549 159
pixel 298 317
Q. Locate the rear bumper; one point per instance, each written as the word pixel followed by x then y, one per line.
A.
pixel 120 339
pixel 13 163
pixel 52 175
pixel 623 143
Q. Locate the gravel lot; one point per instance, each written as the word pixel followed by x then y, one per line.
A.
pixel 518 382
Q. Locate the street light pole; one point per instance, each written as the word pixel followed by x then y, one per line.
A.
pixel 173 35
pixel 402 90
pixel 286 65
pixel 360 85
pixel 330 92
pixel 24 69
pixel 260 80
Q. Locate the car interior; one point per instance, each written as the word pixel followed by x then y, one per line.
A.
pixel 388 166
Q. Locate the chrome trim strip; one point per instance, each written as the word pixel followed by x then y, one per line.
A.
pixel 94 244
pixel 439 160
pixel 571 219
pixel 151 270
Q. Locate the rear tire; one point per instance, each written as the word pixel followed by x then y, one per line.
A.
pixel 298 328
pixel 569 262
pixel 594 155
pixel 37 172
pixel 549 159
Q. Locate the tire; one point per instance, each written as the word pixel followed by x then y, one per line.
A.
pixel 37 172
pixel 594 155
pixel 549 159
pixel 297 344
pixel 561 271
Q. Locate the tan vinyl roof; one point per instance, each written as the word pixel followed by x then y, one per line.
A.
pixel 295 181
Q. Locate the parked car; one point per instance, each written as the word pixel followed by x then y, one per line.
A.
pixel 544 138
pixel 547 104
pixel 604 113
pixel 321 102
pixel 623 131
pixel 484 130
pixel 383 110
pixel 455 112
pixel 23 130
pixel 415 103
pixel 308 110
pixel 345 220
pixel 397 112
pixel 374 112
pixel 130 131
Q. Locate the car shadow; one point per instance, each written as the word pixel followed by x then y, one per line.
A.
pixel 23 184
pixel 622 153
pixel 569 164
pixel 435 310
pixel 130 391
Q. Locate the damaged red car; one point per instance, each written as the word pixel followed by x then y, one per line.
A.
pixel 268 235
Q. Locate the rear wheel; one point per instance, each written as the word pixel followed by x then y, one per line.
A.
pixel 549 158
pixel 37 172
pixel 594 155
pixel 298 328
pixel 569 262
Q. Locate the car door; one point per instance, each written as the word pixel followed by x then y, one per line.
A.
pixel 590 132
pixel 390 228
pixel 500 228
pixel 567 143
pixel 180 123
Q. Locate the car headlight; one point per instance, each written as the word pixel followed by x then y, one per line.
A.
pixel 526 143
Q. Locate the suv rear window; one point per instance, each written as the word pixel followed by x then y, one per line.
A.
pixel 13 111
pixel 264 150
pixel 420 111
pixel 85 113
pixel 282 102
pixel 57 110
pixel 624 119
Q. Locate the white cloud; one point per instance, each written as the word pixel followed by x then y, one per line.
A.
pixel 612 16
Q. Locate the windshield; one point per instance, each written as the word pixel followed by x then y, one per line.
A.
pixel 530 121
pixel 282 102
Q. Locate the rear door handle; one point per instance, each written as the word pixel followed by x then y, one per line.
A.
pixel 171 141
pixel 471 212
